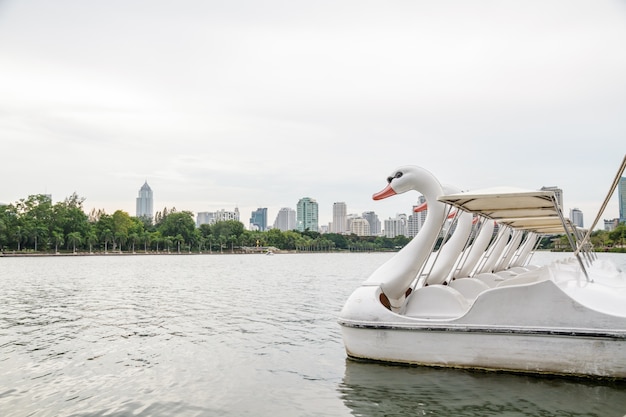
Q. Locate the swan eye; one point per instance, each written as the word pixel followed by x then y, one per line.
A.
pixel 397 175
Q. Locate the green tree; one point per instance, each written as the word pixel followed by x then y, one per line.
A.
pixel 74 238
pixel 122 224
pixel 227 229
pixel 59 240
pixel 618 235
pixel 91 238
pixel 178 224
pixel 339 241
pixel 276 238
pixel 157 238
pixel 146 237
pixel 196 239
pixel 178 239
pixel 167 243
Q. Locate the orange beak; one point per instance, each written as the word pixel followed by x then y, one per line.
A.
pixel 387 192
pixel 420 208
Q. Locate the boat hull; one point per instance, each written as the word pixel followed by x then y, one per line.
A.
pixel 547 351
pixel 532 328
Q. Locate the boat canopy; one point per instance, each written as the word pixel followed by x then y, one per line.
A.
pixel 529 210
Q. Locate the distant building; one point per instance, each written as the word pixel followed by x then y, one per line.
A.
pixel 205 217
pixel 258 219
pixel 307 215
pixel 576 216
pixel 416 220
pixel 396 227
pixel 621 193
pixel 222 215
pixel 285 219
pixel 339 224
pixel 372 219
pixel 611 224
pixel 360 227
pixel 144 202
pixel 349 218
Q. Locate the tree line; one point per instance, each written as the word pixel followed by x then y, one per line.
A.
pixel 36 225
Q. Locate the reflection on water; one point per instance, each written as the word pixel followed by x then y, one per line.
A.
pixel 371 389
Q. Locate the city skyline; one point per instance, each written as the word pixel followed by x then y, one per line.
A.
pixel 619 197
pixel 248 104
pixel 339 211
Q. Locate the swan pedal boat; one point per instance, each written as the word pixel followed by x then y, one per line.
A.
pixel 477 302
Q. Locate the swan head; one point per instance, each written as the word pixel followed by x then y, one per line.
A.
pixel 407 178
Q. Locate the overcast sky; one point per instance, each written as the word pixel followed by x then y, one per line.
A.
pixel 223 104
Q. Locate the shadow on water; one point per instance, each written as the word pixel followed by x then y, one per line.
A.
pixel 371 389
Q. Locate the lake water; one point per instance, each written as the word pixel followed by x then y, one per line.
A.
pixel 230 335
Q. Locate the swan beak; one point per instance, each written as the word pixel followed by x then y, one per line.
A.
pixel 420 208
pixel 387 192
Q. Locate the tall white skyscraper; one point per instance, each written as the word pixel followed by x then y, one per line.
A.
pixel 144 202
pixel 285 219
pixel 340 220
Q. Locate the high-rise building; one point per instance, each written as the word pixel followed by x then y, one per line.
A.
pixel 224 215
pixel 349 218
pixel 285 219
pixel 144 202
pixel 340 223
pixel 360 227
pixel 416 220
pixel 396 227
pixel 307 215
pixel 258 219
pixel 212 217
pixel 205 217
pixel 576 216
pixel 372 219
pixel 621 192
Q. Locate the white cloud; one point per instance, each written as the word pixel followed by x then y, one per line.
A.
pixel 260 104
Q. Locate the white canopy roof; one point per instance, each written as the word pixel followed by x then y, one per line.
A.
pixel 535 211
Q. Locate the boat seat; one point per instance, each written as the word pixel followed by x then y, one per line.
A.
pixel 489 278
pixel 526 278
pixel 518 269
pixel 436 302
pixel 506 274
pixel 469 287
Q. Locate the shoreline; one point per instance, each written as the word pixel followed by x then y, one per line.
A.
pixel 36 255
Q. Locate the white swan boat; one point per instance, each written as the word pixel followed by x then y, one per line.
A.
pixel 477 303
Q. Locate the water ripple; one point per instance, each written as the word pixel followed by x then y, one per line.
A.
pixel 218 336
